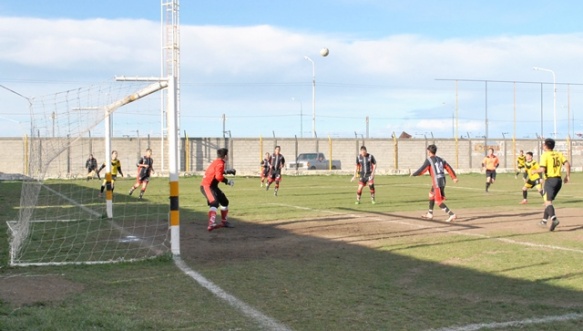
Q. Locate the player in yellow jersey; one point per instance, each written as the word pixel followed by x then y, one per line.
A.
pixel 520 165
pixel 534 178
pixel 551 163
pixel 115 169
pixel 490 163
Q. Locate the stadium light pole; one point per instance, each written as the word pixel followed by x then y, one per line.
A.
pixel 554 98
pixel 29 100
pixel 313 96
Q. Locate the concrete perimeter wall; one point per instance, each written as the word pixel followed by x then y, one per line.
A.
pixel 393 156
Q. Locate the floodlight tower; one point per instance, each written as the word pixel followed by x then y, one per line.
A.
pixel 170 64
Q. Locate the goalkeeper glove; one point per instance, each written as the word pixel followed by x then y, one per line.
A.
pixel 230 182
pixel 231 172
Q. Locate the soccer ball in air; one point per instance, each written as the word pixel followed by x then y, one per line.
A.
pixel 324 52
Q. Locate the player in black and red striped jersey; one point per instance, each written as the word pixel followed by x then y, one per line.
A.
pixel 437 168
pixel 264 168
pixel 276 164
pixel 365 168
pixel 145 169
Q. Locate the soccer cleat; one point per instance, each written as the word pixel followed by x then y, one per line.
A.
pixel 130 192
pixel 226 224
pixel 428 216
pixel 524 202
pixel 451 218
pixel 554 224
pixel 543 223
pixel 275 192
pixel 373 202
pixel 261 185
pixel 211 227
pixel 267 187
pixel 357 202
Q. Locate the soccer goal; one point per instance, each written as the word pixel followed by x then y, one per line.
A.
pixel 63 216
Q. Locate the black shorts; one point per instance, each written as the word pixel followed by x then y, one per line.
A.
pixel 491 174
pixel 214 196
pixel 531 183
pixel 275 175
pixel 552 187
pixel 366 179
pixel 144 179
pixel 265 172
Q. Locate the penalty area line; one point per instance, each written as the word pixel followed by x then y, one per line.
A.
pixel 506 240
pixel 264 320
pixel 528 321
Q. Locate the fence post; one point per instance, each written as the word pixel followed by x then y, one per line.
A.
pixel 396 151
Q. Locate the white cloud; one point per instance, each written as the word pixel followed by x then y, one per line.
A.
pixel 256 70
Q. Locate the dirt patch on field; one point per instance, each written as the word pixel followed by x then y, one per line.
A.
pixel 20 290
pixel 296 237
pixel 300 239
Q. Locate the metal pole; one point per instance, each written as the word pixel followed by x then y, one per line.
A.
pixel 313 96
pixel 224 120
pixel 569 110
pixel 301 117
pixel 367 124
pixel 554 98
pixel 457 150
pixel 542 133
pixel 172 121
pixel 486 116
pixel 554 104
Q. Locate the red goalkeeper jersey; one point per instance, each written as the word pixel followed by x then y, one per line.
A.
pixel 214 174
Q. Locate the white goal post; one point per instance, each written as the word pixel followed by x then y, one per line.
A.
pixel 63 219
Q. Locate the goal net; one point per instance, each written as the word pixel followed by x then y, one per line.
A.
pixel 62 217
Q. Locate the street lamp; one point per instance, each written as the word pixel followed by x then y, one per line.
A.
pixel 29 100
pixel 313 96
pixel 301 117
pixel 554 98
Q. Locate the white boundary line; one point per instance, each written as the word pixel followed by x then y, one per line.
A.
pixel 495 325
pixel 510 241
pixel 479 326
pixel 265 321
pixel 445 230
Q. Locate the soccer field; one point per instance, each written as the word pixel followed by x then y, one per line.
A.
pixel 310 259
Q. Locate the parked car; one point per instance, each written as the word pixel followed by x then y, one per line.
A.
pixel 313 161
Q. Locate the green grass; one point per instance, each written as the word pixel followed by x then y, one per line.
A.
pixel 406 279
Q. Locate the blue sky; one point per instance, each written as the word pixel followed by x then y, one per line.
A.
pixel 246 60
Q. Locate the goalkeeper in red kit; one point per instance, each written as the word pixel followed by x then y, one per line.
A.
pixel 437 168
pixel 209 187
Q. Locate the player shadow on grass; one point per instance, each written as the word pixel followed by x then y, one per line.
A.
pixel 569 228
pixel 436 220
